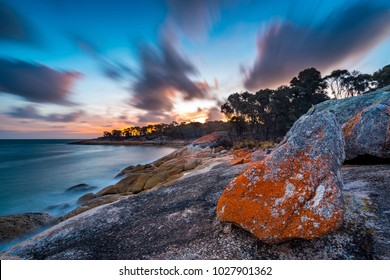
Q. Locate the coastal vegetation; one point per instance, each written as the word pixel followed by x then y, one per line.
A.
pixel 267 114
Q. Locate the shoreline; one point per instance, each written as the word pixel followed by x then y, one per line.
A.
pixel 27 224
pixel 172 143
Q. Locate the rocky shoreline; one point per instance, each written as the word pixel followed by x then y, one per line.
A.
pixel 206 202
pixel 170 143
pixel 179 222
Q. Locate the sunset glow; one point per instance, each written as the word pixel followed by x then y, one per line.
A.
pixel 72 69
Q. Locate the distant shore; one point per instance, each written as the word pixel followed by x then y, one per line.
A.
pixel 170 143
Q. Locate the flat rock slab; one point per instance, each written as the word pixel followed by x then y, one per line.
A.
pixel 179 222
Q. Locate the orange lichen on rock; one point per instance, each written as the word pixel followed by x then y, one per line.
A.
pixel 349 125
pixel 236 161
pixel 241 153
pixel 292 193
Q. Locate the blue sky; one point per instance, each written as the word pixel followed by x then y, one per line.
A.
pixel 71 69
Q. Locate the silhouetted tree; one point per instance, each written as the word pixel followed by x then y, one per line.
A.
pixel 382 76
pixel 336 83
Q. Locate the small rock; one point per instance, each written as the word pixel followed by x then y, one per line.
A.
pixel 61 206
pixel 80 188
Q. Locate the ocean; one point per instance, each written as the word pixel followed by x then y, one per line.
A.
pixel 35 175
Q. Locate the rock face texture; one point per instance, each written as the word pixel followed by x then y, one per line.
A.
pixel 296 191
pixel 365 121
pixel 13 226
pixel 179 222
pixel 368 133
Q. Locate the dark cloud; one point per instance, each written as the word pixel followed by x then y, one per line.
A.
pixel 287 49
pixel 14 27
pixel 163 73
pixel 30 112
pixel 194 17
pixel 36 82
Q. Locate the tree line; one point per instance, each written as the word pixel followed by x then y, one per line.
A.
pixel 173 130
pixel 268 114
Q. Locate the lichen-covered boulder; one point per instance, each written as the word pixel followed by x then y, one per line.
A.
pixel 295 192
pixel 365 121
pixel 368 132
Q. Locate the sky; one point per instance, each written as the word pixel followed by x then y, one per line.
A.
pixel 73 68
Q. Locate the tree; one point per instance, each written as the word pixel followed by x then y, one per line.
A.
pixel 336 83
pixel 107 134
pixel 357 83
pixel 116 134
pixel 239 124
pixel 283 111
pixel 382 76
pixel 263 100
pixel 126 132
pixel 310 83
pixel 307 90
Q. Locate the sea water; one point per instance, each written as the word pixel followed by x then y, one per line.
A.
pixel 35 175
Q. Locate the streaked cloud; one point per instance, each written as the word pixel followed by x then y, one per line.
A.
pixel 112 69
pixel 14 27
pixel 287 48
pixel 36 82
pixel 164 73
pixel 30 112
pixel 195 18
pixel 151 117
